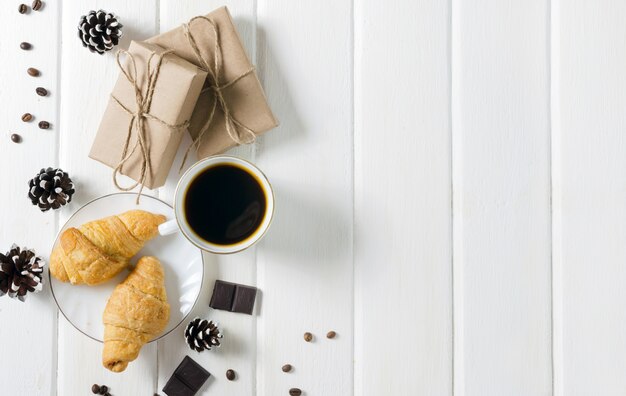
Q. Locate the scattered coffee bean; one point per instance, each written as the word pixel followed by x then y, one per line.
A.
pixel 95 389
pixel 41 91
pixel 287 368
pixel 15 138
pixel 37 4
pixel 44 125
pixel 295 392
pixel 23 9
pixel 107 394
pixel 33 72
pixel 104 389
pixel 156 394
pixel 308 337
pixel 331 334
pixel 25 46
pixel 230 374
pixel 27 117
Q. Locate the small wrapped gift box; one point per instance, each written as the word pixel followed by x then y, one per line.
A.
pixel 232 108
pixel 147 114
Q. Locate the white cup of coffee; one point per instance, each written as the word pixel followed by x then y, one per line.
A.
pixel 222 204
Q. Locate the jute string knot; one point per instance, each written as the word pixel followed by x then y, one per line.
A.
pixel 139 116
pixel 237 131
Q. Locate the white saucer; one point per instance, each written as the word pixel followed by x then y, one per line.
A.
pixel 182 262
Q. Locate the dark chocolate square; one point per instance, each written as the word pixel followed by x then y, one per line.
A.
pixel 191 373
pixel 223 294
pixel 176 387
pixel 244 299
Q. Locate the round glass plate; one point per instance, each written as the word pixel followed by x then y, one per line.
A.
pixel 182 263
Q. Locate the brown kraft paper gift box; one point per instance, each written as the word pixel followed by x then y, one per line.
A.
pixel 245 98
pixel 176 90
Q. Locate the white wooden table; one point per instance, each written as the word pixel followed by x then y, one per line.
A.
pixel 451 198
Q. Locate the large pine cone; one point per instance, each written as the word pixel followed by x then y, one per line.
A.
pixel 202 334
pixel 20 273
pixel 50 189
pixel 99 31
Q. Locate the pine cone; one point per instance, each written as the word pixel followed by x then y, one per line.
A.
pixel 99 31
pixel 202 334
pixel 20 272
pixel 50 189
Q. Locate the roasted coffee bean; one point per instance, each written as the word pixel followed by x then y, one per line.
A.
pixel 295 392
pixel 41 91
pixel 308 337
pixel 25 46
pixel 230 374
pixel 331 334
pixel 33 72
pixel 37 4
pixel 287 368
pixel 104 389
pixel 44 125
pixel 23 9
pixel 15 138
pixel 95 389
pixel 107 394
pixel 27 117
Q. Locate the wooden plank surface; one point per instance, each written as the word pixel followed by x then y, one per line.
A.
pixel 403 219
pixel 305 266
pixel 590 173
pixel 86 84
pixel 419 146
pixel 501 184
pixel 27 329
pixel 238 350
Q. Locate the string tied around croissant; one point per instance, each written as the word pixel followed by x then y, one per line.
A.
pixel 237 131
pixel 139 116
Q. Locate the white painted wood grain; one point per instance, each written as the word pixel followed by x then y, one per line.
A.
pixel 238 349
pixel 590 173
pixel 403 216
pixel 451 101
pixel 305 264
pixel 501 194
pixel 87 80
pixel 557 212
pixel 28 329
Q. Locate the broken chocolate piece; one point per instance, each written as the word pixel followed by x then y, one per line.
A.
pixel 191 373
pixel 223 294
pixel 244 299
pixel 187 379
pixel 233 297
pixel 176 387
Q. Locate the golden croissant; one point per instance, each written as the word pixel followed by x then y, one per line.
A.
pixel 136 312
pixel 97 251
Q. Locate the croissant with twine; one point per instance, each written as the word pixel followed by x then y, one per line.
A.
pixel 136 312
pixel 99 250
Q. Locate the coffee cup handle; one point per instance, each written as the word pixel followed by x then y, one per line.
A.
pixel 169 227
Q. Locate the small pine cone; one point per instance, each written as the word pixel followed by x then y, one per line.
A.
pixel 21 272
pixel 202 334
pixel 50 189
pixel 99 31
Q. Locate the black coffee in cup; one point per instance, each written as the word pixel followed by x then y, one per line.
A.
pixel 225 204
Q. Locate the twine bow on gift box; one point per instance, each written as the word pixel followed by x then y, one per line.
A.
pixel 139 116
pixel 218 88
